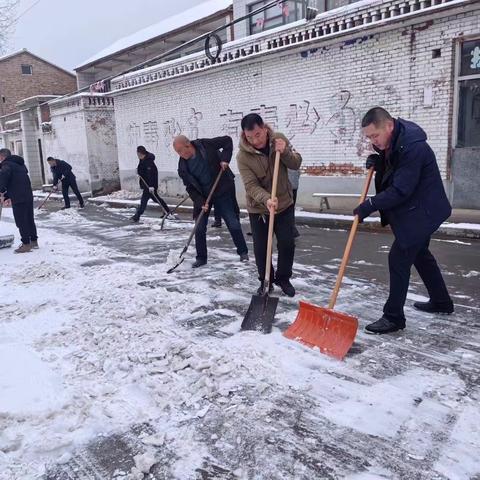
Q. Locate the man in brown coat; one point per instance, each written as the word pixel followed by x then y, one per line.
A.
pixel 256 160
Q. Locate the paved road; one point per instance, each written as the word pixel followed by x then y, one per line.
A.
pixel 295 435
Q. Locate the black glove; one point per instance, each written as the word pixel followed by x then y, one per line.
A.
pixel 372 161
pixel 364 210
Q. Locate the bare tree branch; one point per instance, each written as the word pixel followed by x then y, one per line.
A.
pixel 8 18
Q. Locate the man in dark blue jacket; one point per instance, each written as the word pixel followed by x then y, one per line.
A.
pixel 15 187
pixel 411 199
pixel 147 173
pixel 200 162
pixel 62 170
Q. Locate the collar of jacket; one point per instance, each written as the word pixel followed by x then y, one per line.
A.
pixel 15 159
pixel 246 147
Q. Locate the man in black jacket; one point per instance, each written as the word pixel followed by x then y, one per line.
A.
pixel 15 188
pixel 199 164
pixel 411 198
pixel 148 177
pixel 62 170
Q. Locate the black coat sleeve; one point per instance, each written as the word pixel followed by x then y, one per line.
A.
pixel 153 180
pixel 65 168
pixel 5 174
pixel 56 175
pixel 224 145
pixel 405 178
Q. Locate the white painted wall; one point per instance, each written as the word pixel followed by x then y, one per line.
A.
pixel 83 134
pixel 317 97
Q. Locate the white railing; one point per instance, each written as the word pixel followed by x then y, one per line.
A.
pixel 355 17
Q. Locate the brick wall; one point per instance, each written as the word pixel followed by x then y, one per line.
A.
pixel 83 134
pixel 68 141
pixel 102 149
pixel 316 97
pixel 46 79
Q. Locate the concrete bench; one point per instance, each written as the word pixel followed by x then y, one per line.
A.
pixel 325 196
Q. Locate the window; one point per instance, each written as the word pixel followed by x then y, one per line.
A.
pixel 19 148
pixel 27 70
pixel 331 4
pixel 287 12
pixel 276 15
pixel 468 134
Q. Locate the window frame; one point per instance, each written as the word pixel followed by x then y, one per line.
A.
pixel 251 7
pixel 28 66
pixel 458 79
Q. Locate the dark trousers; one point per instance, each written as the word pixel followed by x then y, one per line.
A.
pixel 284 229
pixel 216 213
pixel 400 262
pixel 146 196
pixel 24 219
pixel 71 183
pixel 294 196
pixel 225 206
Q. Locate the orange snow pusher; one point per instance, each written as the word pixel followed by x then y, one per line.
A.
pixel 332 332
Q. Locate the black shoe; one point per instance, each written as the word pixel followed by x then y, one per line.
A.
pixel 64 208
pixel 82 205
pixel 287 287
pixel 217 224
pixel 199 262
pixel 260 288
pixel 244 257
pixel 430 307
pixel 384 325
pixel 135 218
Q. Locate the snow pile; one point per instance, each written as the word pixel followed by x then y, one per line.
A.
pixel 98 339
pixel 121 195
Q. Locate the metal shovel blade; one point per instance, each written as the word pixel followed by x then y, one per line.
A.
pixel 260 314
pixel 180 261
pixel 6 241
pixel 332 332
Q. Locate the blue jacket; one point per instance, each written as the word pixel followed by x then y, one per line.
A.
pixel 410 194
pixel 62 171
pixel 148 171
pixel 14 180
pixel 216 150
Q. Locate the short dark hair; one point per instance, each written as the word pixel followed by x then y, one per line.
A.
pixel 50 159
pixel 141 149
pixel 377 116
pixel 5 152
pixel 251 120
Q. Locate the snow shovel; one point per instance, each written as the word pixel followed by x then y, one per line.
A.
pixel 172 212
pixel 46 200
pixel 181 258
pixel 261 312
pixel 5 240
pixel 332 332
pixel 154 196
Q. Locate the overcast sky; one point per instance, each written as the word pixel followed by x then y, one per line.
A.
pixel 67 32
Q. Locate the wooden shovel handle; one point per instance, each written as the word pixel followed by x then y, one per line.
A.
pixel 271 222
pixel 202 212
pixel 154 196
pixel 45 201
pixel 348 249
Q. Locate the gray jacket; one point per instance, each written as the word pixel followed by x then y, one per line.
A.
pixel 294 178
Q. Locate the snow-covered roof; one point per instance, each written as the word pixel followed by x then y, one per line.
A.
pixel 28 52
pixel 163 27
pixel 12 54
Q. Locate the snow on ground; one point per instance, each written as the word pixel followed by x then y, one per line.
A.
pixel 103 352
